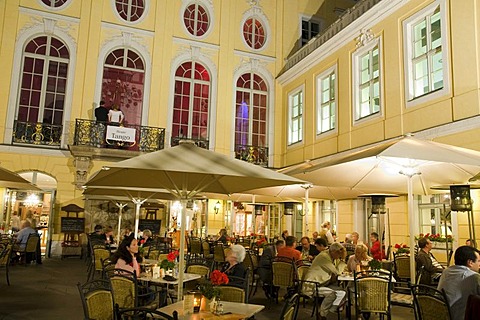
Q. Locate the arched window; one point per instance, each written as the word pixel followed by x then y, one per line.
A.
pixel 254 33
pixel 43 82
pixel 191 102
pixel 251 111
pixel 123 83
pixel 54 3
pixel 130 10
pixel 196 20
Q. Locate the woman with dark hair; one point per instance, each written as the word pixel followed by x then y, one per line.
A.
pixel 126 257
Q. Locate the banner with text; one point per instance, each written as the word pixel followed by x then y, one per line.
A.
pixel 120 134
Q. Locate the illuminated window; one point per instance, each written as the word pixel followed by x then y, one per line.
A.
pixel 254 33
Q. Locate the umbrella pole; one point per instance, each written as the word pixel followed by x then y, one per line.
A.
pixel 138 203
pixel 181 250
pixel 411 227
pixel 120 211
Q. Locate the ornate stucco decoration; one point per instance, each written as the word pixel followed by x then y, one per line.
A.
pixel 364 38
pixel 253 3
pixel 82 166
pixel 51 26
pixel 195 53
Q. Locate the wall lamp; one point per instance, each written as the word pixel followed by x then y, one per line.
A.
pixel 216 207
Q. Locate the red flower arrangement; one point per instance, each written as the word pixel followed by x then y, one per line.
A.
pixel 402 248
pixel 208 288
pixel 169 263
pixel 435 237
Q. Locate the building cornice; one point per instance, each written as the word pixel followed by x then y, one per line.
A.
pixel 366 21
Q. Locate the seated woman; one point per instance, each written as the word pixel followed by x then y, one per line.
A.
pixel 126 257
pixel 222 236
pixel 360 258
pixel 147 238
pixel 234 266
pixel 108 236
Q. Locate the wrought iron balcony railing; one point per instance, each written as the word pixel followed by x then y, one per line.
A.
pixel 252 154
pixel 92 133
pixel 202 143
pixel 37 133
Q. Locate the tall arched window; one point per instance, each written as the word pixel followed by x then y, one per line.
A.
pixel 43 81
pixel 123 83
pixel 191 102
pixel 251 111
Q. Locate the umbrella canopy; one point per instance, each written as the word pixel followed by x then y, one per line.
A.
pixel 403 165
pixel 185 171
pixel 297 192
pixel 9 179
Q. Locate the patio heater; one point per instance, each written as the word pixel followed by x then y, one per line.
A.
pixel 379 212
pixel 461 201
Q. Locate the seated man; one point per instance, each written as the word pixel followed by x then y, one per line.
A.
pixel 22 237
pixel 308 251
pixel 325 269
pixel 461 280
pixel 289 250
pixel 430 269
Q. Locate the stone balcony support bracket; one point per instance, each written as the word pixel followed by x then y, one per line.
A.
pixel 82 166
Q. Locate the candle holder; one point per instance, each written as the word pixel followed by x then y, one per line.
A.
pixel 197 300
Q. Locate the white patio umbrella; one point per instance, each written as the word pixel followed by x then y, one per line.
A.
pixel 10 179
pixel 403 165
pixel 186 171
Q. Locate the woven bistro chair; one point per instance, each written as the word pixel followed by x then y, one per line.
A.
pixel 284 274
pixel 206 250
pixel 236 290
pixel 251 262
pixel 218 256
pixel 372 292
pixel 99 255
pixel 30 247
pixel 290 309
pixel 6 249
pixel 430 303
pixel 127 292
pixel 97 300
pixel 195 247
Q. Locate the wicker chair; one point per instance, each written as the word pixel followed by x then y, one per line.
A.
pixel 30 247
pixel 97 300
pixel 195 247
pixel 99 255
pixel 6 249
pixel 237 289
pixel 372 292
pixel 127 293
pixel 142 314
pixel 284 274
pixel 153 253
pixel 206 250
pixel 430 304
pixel 251 262
pixel 402 267
pixel 290 308
pixel 218 256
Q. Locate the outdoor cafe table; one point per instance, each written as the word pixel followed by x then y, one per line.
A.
pixel 162 282
pixel 238 311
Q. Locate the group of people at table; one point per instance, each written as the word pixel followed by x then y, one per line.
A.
pixel 328 261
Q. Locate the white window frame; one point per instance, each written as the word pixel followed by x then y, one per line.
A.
pixel 310 20
pixel 408 25
pixel 257 14
pixel 319 105
pixel 208 6
pixel 297 135
pixel 356 57
pixel 145 12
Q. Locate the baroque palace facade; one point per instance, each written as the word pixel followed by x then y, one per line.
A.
pixel 273 82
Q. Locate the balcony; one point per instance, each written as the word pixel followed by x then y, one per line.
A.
pixel 89 140
pixel 202 143
pixel 37 133
pixel 252 154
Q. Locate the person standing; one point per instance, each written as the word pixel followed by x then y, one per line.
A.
pixel 376 250
pixel 325 233
pixel 15 223
pixel 115 116
pixel 101 112
pixel 461 280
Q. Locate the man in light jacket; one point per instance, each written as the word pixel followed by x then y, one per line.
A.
pixel 461 280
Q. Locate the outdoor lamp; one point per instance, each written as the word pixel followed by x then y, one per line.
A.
pixel 460 198
pixel 258 210
pixel 288 208
pixel 217 206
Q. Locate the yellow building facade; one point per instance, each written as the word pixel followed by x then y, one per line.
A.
pixel 407 67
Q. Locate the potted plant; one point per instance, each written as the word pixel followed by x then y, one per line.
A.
pixel 374 264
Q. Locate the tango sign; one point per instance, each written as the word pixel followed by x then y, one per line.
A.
pixel 120 134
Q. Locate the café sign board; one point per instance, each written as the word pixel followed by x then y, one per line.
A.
pixel 122 134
